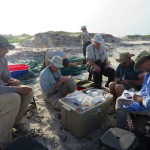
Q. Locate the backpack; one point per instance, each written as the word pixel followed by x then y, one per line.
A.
pixel 142 130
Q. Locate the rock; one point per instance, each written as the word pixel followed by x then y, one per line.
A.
pixel 47 40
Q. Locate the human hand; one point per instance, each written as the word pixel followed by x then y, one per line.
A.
pixel 137 98
pixel 97 68
pixel 63 78
pixel 124 81
pixel 23 90
pixel 117 80
pixel 13 82
pixel 106 67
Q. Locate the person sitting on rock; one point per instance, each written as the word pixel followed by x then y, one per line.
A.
pixel 14 99
pixel 51 53
pixel 141 103
pixel 97 62
pixel 85 41
pixel 53 85
pixel 125 77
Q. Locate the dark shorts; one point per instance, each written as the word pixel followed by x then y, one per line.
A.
pixel 129 86
pixel 65 62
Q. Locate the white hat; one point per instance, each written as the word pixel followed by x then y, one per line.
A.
pixel 98 38
pixel 83 27
pixel 57 61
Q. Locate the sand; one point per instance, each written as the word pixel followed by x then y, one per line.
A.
pixel 41 121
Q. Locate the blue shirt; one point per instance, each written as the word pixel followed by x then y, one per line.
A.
pixel 145 93
pixel 127 73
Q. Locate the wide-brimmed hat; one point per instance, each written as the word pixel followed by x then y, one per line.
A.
pixel 83 27
pixel 140 59
pixel 124 56
pixel 98 38
pixel 4 43
pixel 57 61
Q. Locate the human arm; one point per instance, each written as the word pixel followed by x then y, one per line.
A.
pixel 135 82
pixel 62 79
pixel 13 82
pixel 47 81
pixel 106 63
pixel 116 79
pixel 137 98
pixel 90 59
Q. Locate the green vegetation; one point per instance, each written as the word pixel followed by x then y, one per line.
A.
pixel 136 35
pixel 63 32
pixel 18 38
pixel 148 36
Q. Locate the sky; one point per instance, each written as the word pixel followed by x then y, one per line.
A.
pixel 116 17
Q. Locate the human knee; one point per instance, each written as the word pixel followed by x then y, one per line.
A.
pixel 112 85
pixel 30 96
pixel 15 100
pixel 119 87
pixel 71 80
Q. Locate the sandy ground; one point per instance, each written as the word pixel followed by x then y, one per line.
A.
pixel 41 121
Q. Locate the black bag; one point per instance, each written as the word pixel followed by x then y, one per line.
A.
pixel 100 64
pixel 88 43
pixel 26 143
pixel 140 123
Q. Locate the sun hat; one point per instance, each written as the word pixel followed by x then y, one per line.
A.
pixel 83 27
pixel 140 59
pixel 98 38
pixel 124 56
pixel 57 61
pixel 4 43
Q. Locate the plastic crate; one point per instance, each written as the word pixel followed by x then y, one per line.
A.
pixel 16 74
pixel 18 70
pixel 18 67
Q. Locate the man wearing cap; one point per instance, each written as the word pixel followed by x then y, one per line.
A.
pixel 53 85
pixel 14 99
pixel 125 77
pixel 51 53
pixel 85 41
pixel 97 62
pixel 141 103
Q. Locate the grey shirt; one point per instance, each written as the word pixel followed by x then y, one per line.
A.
pixel 85 37
pixel 4 77
pixel 47 81
pixel 96 54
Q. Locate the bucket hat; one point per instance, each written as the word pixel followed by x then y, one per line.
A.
pixel 140 59
pixel 98 38
pixel 83 27
pixel 124 56
pixel 57 61
pixel 4 43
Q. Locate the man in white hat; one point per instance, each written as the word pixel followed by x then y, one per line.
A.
pixel 97 62
pixel 141 103
pixel 85 41
pixel 53 85
pixel 125 77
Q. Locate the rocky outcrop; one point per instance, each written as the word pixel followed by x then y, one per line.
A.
pixel 47 40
